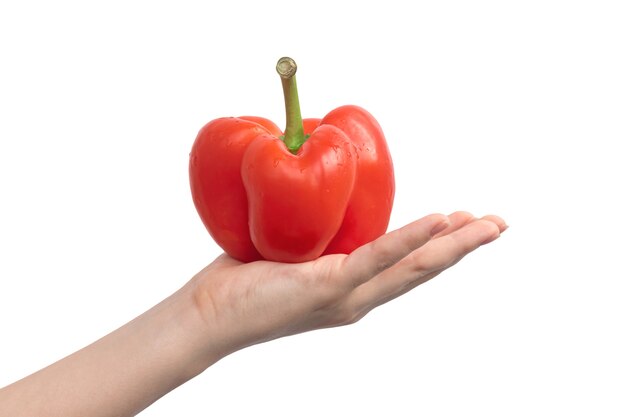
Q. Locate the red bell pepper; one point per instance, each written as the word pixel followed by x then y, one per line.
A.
pixel 324 186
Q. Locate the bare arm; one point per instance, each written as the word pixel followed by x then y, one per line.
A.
pixel 122 373
pixel 230 305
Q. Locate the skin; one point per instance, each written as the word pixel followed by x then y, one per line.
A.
pixel 230 305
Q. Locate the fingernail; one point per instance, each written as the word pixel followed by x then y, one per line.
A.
pixel 440 227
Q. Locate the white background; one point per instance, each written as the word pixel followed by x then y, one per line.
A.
pixel 514 108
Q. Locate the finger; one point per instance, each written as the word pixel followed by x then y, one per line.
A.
pixel 442 252
pixel 364 308
pixel 498 221
pixel 374 257
pixel 458 219
pixel 422 264
pixel 461 218
pixel 412 285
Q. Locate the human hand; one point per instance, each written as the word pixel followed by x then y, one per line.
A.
pixel 230 305
pixel 244 304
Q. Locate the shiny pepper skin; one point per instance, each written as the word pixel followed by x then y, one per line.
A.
pixel 260 201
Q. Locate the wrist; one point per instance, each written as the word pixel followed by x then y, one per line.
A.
pixel 195 345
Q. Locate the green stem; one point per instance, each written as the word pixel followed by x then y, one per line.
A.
pixel 294 131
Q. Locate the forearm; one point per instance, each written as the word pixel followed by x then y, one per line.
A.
pixel 122 373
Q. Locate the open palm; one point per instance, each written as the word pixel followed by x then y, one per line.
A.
pixel 259 301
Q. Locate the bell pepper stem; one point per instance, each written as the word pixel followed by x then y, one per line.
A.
pixel 294 131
